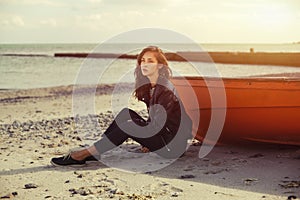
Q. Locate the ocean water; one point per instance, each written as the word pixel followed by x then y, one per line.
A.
pixel 42 69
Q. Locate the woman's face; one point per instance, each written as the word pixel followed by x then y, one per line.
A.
pixel 149 65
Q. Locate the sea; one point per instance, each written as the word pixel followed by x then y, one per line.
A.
pixel 26 66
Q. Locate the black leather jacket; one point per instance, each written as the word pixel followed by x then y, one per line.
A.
pixel 167 115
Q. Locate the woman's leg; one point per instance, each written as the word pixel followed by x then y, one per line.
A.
pixel 118 136
pixel 164 145
pixel 124 115
pixel 113 136
pixel 82 154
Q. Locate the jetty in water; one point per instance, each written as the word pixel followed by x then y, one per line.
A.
pixel 249 58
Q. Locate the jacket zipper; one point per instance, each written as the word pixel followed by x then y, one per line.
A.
pixel 168 149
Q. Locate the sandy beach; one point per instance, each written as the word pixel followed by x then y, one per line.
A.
pixel 38 124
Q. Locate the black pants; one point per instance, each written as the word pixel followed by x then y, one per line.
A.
pixel 115 136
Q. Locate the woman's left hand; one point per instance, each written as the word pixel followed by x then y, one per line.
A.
pixel 145 150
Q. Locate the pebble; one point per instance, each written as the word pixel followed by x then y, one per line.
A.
pixel 189 168
pixel 82 191
pixel 216 163
pixel 175 194
pixel 217 171
pixel 16 124
pixel 290 184
pixel 187 176
pixel 68 130
pixel 30 186
pixel 291 197
pixel 231 152
pixel 9 195
pixel 248 181
pixel 175 189
pixel 58 125
pixel 205 159
pixel 14 193
pixel 113 191
pixel 258 155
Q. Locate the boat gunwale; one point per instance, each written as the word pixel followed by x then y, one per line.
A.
pixel 243 107
pixel 257 79
pixel 248 83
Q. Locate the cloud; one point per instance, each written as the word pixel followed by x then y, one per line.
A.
pixel 48 22
pixel 11 20
pixel 131 13
pixel 92 18
pixel 240 5
pixel 91 21
pixel 32 2
pixel 18 21
pixel 94 1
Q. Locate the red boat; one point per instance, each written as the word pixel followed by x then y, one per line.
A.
pixel 234 109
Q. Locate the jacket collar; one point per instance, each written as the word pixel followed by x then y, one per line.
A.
pixel 162 81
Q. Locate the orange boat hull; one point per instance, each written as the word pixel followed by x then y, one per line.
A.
pixel 258 109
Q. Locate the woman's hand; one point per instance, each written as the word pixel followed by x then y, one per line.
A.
pixel 145 150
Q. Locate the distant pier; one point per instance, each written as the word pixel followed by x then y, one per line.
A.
pixel 249 58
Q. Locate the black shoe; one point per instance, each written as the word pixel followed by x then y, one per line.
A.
pixel 66 161
pixel 92 158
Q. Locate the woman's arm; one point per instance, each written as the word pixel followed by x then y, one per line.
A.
pixel 165 112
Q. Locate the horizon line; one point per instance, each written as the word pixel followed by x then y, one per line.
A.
pixel 295 42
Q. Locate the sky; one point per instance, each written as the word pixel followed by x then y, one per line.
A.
pixel 204 21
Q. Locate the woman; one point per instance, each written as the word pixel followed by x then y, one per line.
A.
pixel 168 127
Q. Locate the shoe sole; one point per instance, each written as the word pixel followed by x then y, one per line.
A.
pixel 91 161
pixel 73 165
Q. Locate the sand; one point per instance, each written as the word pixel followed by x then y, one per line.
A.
pixel 38 124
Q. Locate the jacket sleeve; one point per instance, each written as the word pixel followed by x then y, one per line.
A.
pixel 165 113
